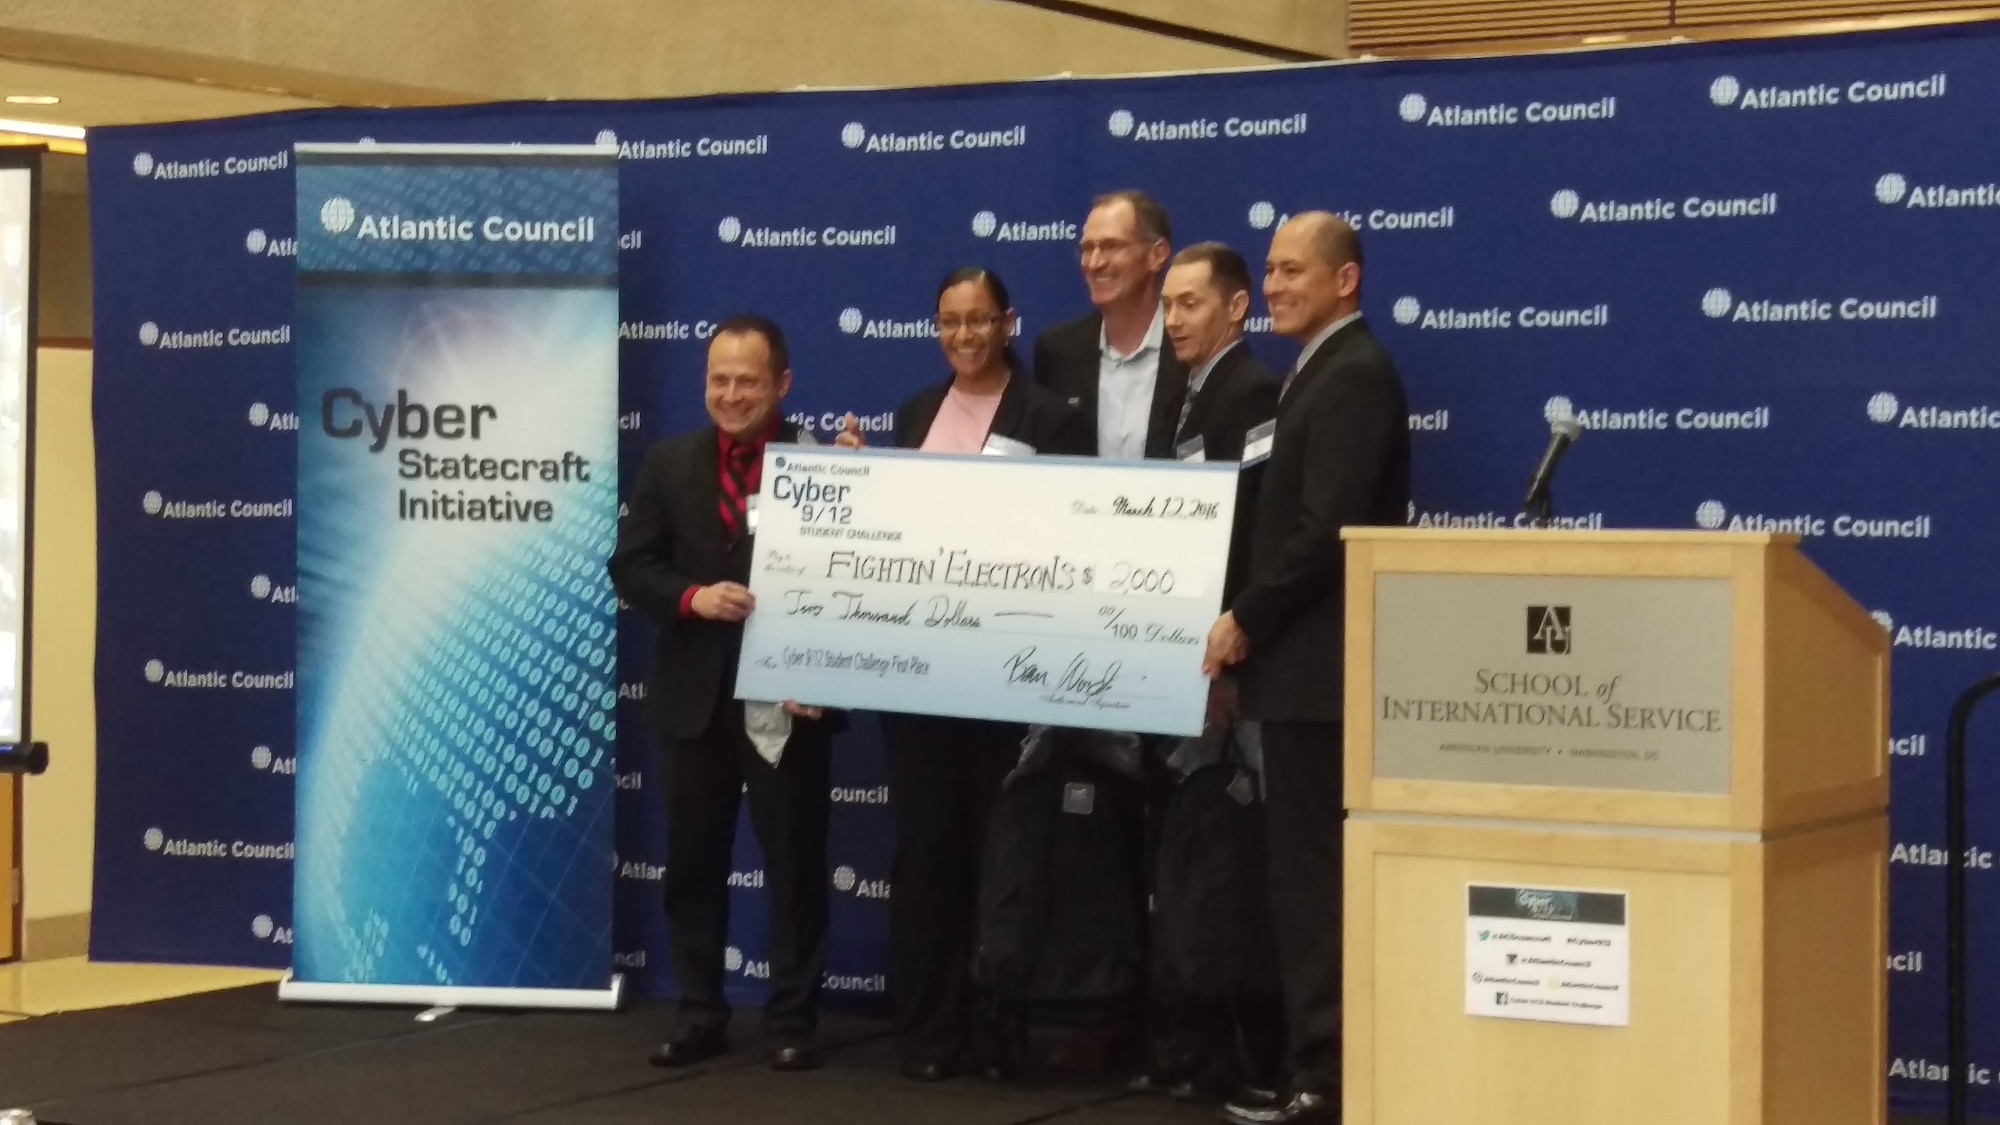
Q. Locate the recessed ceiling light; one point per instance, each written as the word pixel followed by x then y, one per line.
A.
pixel 33 99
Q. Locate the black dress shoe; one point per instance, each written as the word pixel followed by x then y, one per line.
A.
pixel 795 1056
pixel 928 1071
pixel 1299 1109
pixel 689 1049
pixel 1157 1083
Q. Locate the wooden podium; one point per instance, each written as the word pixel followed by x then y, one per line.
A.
pixel 1616 842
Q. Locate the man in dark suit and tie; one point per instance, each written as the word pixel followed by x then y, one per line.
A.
pixel 1114 365
pixel 683 559
pixel 1207 300
pixel 1339 456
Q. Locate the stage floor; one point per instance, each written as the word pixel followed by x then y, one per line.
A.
pixel 239 1057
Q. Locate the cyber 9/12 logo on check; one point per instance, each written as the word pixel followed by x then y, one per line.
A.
pixel 1549 632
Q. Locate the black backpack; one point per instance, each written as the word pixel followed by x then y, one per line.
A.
pixel 1062 901
pixel 1212 913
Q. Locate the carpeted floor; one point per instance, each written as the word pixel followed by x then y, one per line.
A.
pixel 241 1058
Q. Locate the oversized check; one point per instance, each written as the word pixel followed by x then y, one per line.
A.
pixel 1058 590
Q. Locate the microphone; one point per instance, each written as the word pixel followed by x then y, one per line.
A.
pixel 1562 433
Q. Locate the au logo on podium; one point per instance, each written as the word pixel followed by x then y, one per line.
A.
pixel 1548 630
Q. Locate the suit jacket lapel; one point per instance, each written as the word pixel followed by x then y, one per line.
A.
pixel 704 489
pixel 1204 399
pixel 1010 419
pixel 1170 386
pixel 1322 360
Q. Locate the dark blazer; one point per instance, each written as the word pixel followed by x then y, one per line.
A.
pixel 1341 458
pixel 670 540
pixel 1239 393
pixel 1066 359
pixel 1027 414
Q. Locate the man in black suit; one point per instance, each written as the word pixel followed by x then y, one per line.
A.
pixel 1207 300
pixel 1114 365
pixel 1340 456
pixel 1206 1040
pixel 683 558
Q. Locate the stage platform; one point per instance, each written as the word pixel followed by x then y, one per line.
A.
pixel 239 1057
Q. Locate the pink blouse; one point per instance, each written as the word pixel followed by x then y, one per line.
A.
pixel 962 423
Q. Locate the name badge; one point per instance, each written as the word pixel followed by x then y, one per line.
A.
pixel 1192 451
pixel 750 514
pixel 1257 442
pixel 997 446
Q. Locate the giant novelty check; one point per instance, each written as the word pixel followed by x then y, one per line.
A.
pixel 1057 590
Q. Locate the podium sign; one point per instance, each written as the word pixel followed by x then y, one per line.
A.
pixel 1581 682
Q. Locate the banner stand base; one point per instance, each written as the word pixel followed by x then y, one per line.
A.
pixel 433 996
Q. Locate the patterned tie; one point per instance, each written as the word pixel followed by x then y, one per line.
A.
pixel 735 488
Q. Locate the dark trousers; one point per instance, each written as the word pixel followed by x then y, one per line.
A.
pixel 706 779
pixel 1302 782
pixel 944 777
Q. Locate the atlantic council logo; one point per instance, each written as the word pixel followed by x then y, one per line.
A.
pixel 149 333
pixel 1413 107
pixel 1565 204
pixel 987 224
pixel 259 414
pixel 260 757
pixel 1719 303
pixel 1416 109
pixel 1262 215
pixel 854 134
pixel 256 241
pixel 1885 408
pixel 732 957
pixel 1710 514
pixel 1724 91
pixel 261 927
pixel 843 878
pixel 1727 92
pixel 1893 189
pixel 851 320
pixel 154 839
pixel 260 587
pixel 155 671
pixel 152 502
pixel 142 164
pixel 1410 312
pixel 1121 123
pixel 337 215
pixel 1557 409
pixel 1883 618
pixel 607 137
pixel 729 229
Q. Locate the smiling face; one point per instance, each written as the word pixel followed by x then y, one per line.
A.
pixel 973 329
pixel 1119 260
pixel 743 392
pixel 1304 287
pixel 1200 320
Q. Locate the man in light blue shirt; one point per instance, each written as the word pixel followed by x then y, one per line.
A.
pixel 1114 364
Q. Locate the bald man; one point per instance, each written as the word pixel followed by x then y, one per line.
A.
pixel 1339 456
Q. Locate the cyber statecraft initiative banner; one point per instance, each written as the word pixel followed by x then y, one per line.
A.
pixel 457 321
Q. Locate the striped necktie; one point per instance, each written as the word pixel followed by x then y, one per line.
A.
pixel 735 490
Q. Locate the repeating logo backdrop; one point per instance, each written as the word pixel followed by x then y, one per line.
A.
pixel 1763 275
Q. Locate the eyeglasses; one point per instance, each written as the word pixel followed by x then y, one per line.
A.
pixel 947 325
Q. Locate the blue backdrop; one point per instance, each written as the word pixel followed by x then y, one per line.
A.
pixel 1763 272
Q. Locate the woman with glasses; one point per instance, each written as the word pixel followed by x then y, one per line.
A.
pixel 945 774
